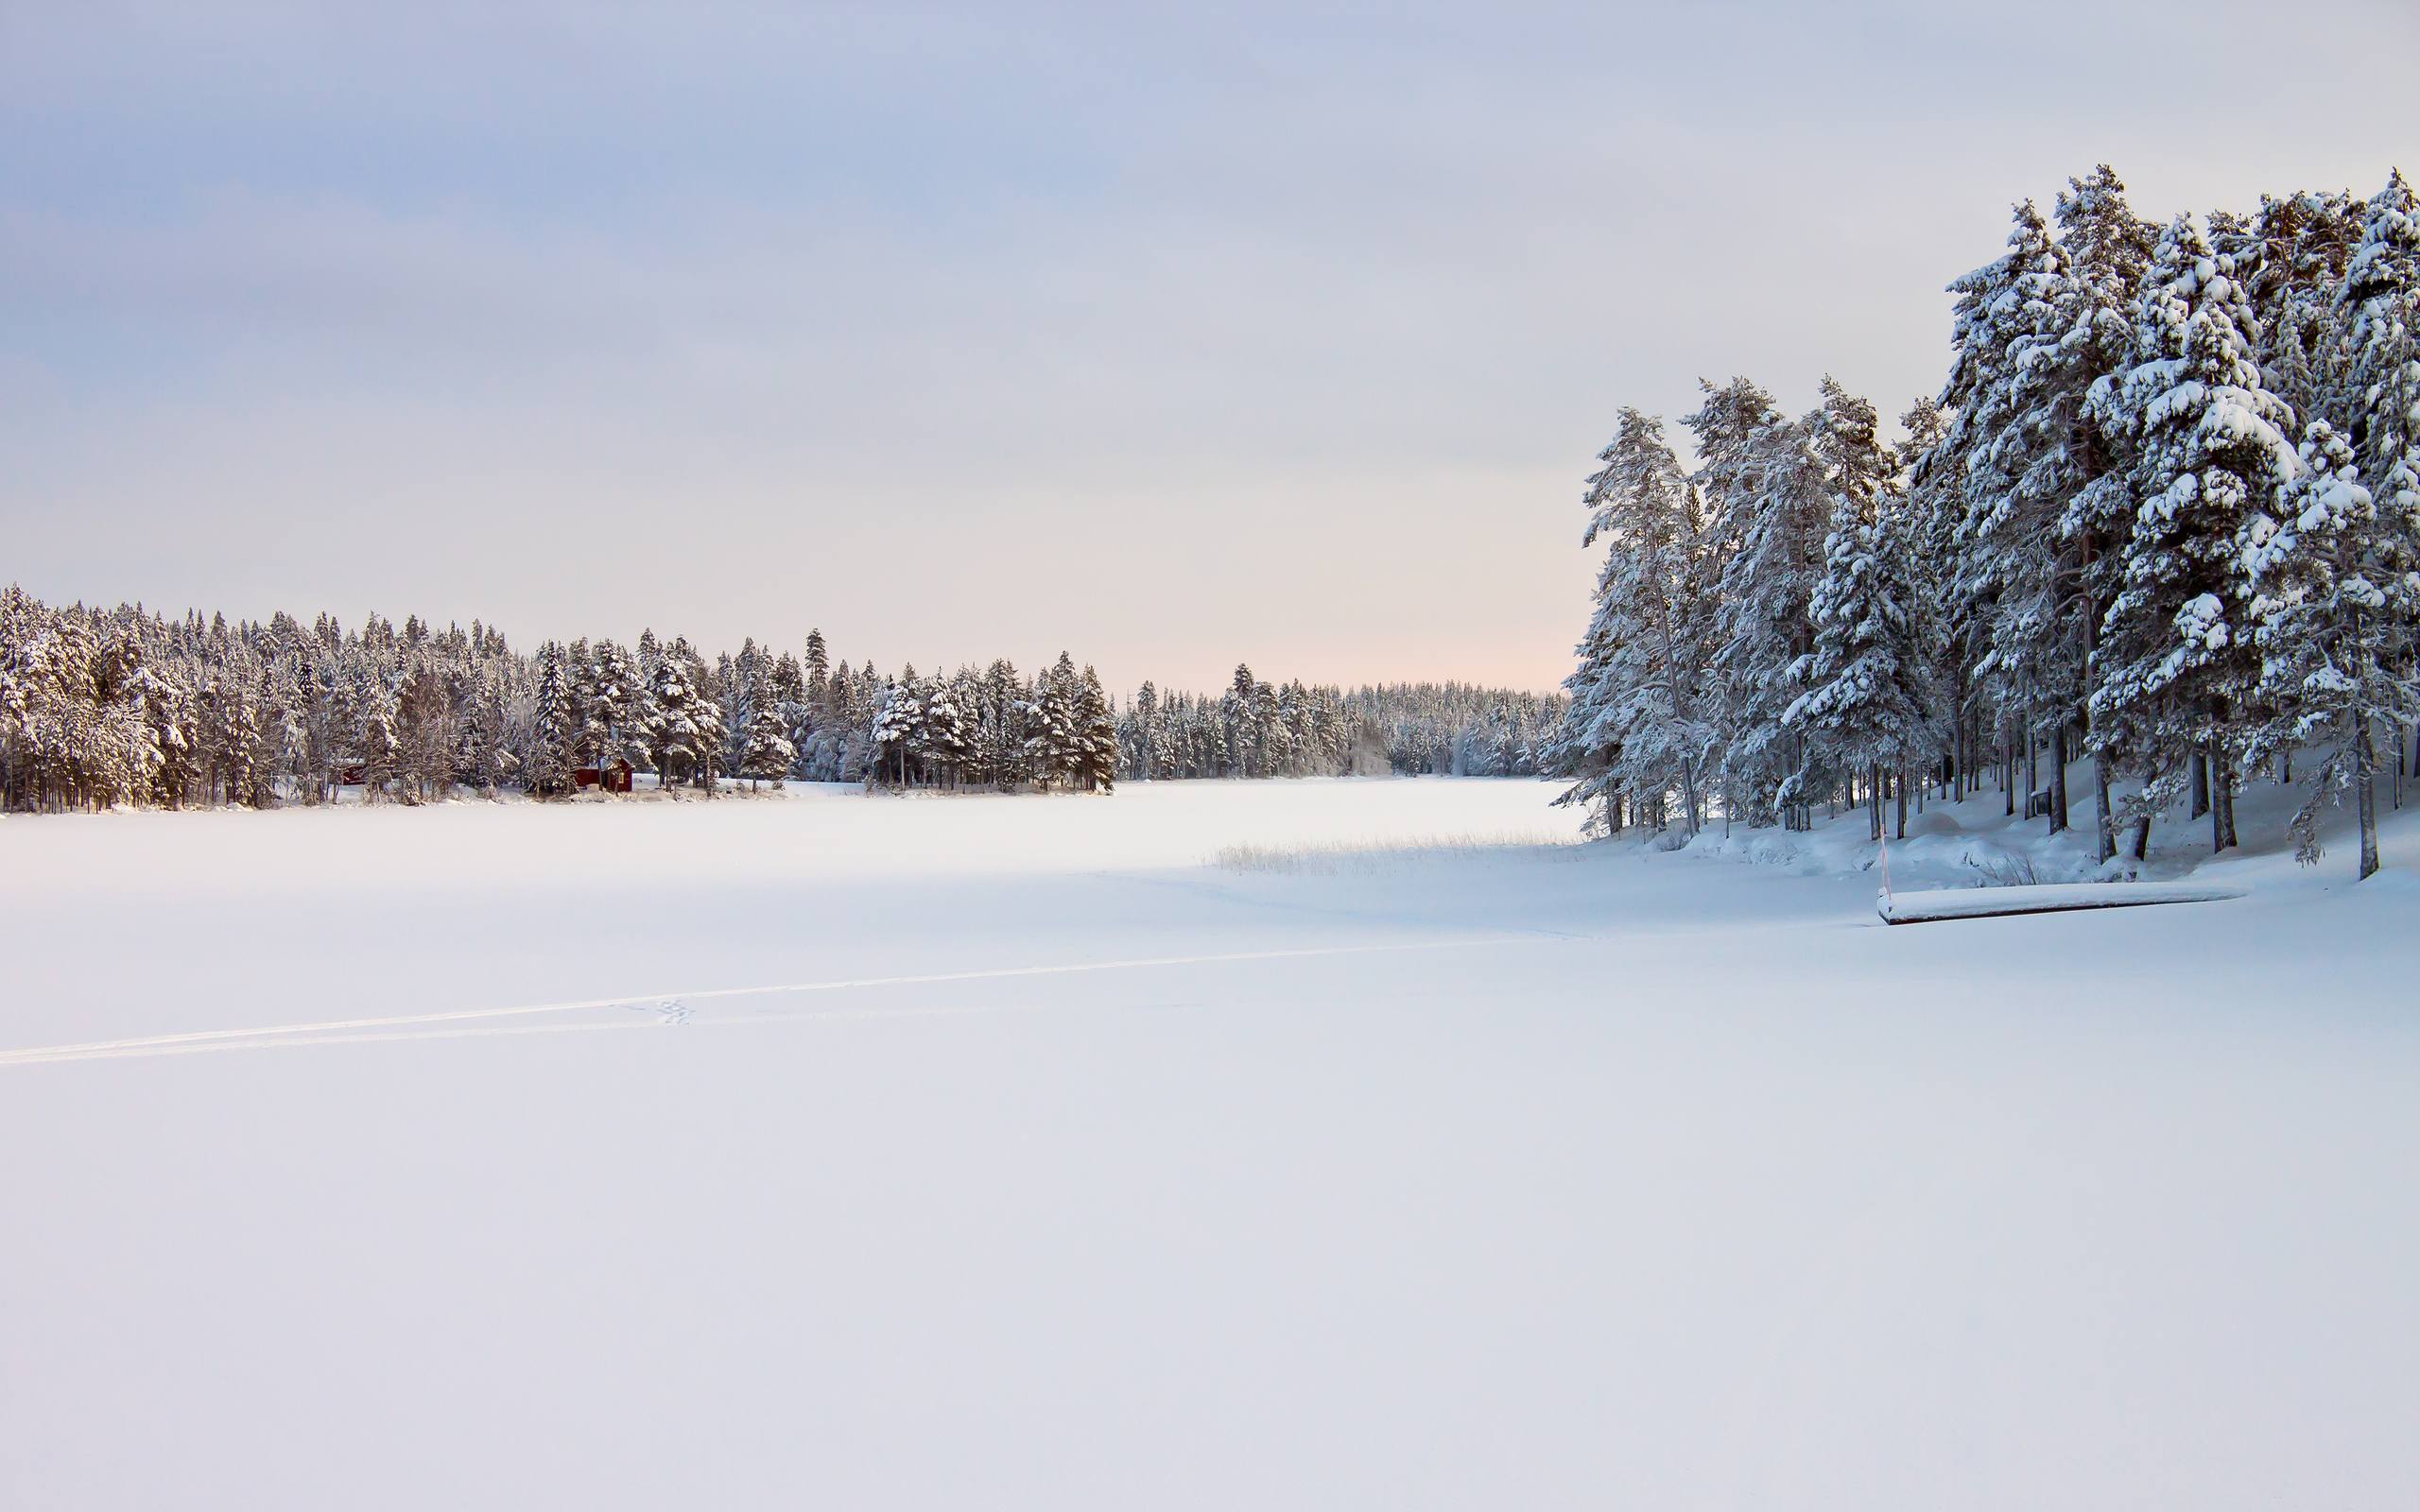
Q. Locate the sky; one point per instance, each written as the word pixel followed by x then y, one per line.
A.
pixel 1172 335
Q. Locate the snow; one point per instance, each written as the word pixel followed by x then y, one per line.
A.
pixel 2041 898
pixel 1070 1169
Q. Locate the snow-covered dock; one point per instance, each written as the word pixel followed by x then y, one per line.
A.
pixel 1988 902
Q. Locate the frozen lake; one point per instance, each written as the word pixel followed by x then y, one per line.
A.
pixel 1195 1147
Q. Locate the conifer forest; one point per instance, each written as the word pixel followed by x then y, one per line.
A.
pixel 2163 517
pixel 100 708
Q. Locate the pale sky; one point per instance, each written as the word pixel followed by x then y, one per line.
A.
pixel 1174 336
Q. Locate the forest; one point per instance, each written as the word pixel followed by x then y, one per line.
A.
pixel 101 708
pixel 2162 522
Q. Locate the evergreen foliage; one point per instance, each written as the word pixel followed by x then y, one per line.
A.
pixel 2098 540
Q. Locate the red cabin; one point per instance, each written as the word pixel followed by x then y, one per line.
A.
pixel 615 778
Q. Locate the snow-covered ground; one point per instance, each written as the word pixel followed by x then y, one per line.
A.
pixel 1221 1145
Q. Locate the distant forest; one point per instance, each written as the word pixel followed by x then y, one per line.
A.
pixel 106 706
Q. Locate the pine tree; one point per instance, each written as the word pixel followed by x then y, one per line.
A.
pixel 766 752
pixel 2381 295
pixel 286 738
pixel 2290 256
pixel 1051 746
pixel 2334 585
pixel 2209 454
pixel 1635 698
pixel 2108 249
pixel 1095 765
pixel 676 745
pixel 1002 728
pixel 896 722
pixel 2025 460
pixel 374 739
pixel 1867 687
pixel 1763 622
pixel 945 735
pixel 1147 730
pixel 546 765
pixel 819 667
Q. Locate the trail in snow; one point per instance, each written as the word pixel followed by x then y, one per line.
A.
pixel 671 1007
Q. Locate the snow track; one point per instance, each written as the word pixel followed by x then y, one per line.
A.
pixel 667 1008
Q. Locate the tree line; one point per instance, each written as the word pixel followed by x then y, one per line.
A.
pixel 2162 520
pixel 106 706
pixel 1259 729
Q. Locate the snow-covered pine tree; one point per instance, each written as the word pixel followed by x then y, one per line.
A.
pixel 786 686
pixel 546 765
pixel 1985 321
pixel 2381 297
pixel 1051 745
pixel 1145 719
pixel 1725 430
pixel 1243 723
pixel 2209 453
pixel 706 712
pixel 819 670
pixel 1936 509
pixel 1000 731
pixel 482 760
pixel 2334 593
pixel 1095 766
pixel 1865 705
pixel 2108 249
pixel 1763 623
pixel 2025 460
pixel 286 738
pixel 675 744
pixel 765 752
pixel 2382 387
pixel 726 683
pixel 946 738
pixel 896 723
pixel 374 740
pixel 2290 256
pixel 1637 725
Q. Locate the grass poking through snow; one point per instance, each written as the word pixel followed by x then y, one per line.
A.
pixel 1330 858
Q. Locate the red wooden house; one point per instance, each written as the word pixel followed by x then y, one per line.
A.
pixel 615 778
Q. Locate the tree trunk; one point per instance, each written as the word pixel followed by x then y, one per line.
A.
pixel 2104 823
pixel 2197 780
pixel 2059 778
pixel 2365 795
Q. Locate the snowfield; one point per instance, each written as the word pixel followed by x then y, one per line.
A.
pixel 1216 1145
